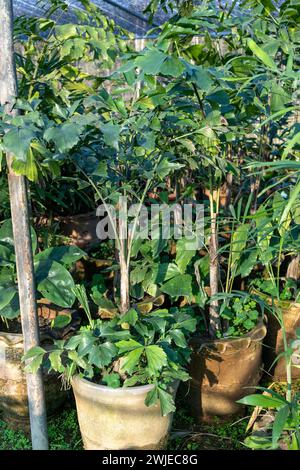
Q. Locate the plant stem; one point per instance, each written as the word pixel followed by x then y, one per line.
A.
pixel 214 317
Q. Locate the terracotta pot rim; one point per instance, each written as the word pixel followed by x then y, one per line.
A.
pixel 257 334
pixel 283 303
pixel 83 215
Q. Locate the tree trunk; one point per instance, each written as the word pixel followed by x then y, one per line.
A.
pixel 124 263
pixel 214 317
pixel 124 285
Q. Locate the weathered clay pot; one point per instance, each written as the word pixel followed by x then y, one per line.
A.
pixel 220 370
pixel 80 228
pixel 117 418
pixel 13 389
pixel 274 339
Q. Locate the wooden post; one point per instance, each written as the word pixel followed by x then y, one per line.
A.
pixel 22 238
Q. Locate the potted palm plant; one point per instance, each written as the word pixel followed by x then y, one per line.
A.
pixel 278 246
pixel 54 286
pixel 124 373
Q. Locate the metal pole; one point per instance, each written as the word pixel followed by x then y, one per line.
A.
pixel 22 239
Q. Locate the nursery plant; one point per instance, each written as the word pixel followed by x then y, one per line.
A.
pixel 129 350
pixel 53 279
pixel 282 430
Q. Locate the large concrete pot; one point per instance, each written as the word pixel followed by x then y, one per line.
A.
pixel 221 370
pixel 13 389
pixel 118 419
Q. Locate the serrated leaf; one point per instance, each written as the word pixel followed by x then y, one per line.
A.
pixel 178 338
pixel 17 141
pixel 55 361
pixel 111 134
pixel 102 355
pixel 112 380
pixel 166 402
pixel 178 286
pixel 130 317
pixel 156 358
pixel 130 361
pixel 183 253
pixel 65 137
pixel 128 345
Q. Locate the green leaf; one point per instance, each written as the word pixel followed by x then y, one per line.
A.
pixel 6 235
pixel 17 141
pixel 130 317
pixel 151 61
pixel 262 55
pixel 128 345
pixel 262 400
pixel 165 167
pixel 12 309
pixel 172 66
pixel 178 338
pixel 66 31
pixel 66 255
pixel 61 321
pixel 102 355
pixel 55 283
pixel 156 358
pixel 166 402
pixel 65 137
pixel 163 272
pixel 36 355
pixel 28 168
pixel 247 262
pixel 152 397
pixel 7 257
pixel 55 361
pixel 111 134
pixel 130 361
pixel 279 423
pixel 178 286
pixel 199 76
pixel 112 380
pixel 183 253
pixel 238 244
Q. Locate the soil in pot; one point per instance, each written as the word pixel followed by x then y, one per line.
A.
pixel 13 389
pixel 221 370
pixel 118 419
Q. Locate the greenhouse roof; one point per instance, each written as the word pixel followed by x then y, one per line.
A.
pixel 127 13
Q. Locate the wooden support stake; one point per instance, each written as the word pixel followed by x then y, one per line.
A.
pixel 22 238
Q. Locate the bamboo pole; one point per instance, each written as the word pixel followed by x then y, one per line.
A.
pixel 22 238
